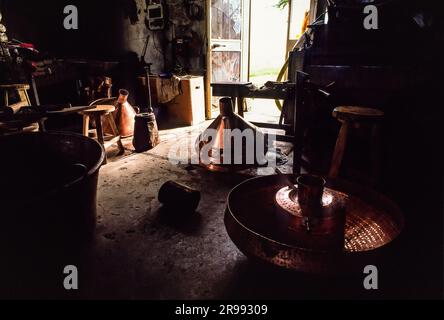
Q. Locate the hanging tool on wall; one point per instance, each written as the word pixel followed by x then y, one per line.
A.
pixel 193 10
pixel 185 45
pixel 147 67
pixel 145 50
pixel 156 15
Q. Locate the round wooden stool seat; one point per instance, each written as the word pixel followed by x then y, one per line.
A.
pixel 100 109
pixel 357 114
pixel 102 113
pixel 18 86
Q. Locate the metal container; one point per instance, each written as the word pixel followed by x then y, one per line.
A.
pixel 146 132
pixel 373 224
pixel 215 146
pixel 124 115
pixel 321 228
pixel 179 197
pixel 48 189
pixel 310 192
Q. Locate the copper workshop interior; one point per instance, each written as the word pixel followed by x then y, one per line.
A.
pixel 221 149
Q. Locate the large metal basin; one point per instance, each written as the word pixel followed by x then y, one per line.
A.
pixel 48 188
pixel 373 226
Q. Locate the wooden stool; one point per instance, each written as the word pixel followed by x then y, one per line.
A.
pixel 356 116
pixel 99 114
pixel 24 100
pixel 22 90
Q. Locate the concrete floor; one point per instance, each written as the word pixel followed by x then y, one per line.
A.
pixel 149 255
pixel 141 252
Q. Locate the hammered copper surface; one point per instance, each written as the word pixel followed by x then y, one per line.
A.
pixel 372 223
pixel 223 126
pixel 287 200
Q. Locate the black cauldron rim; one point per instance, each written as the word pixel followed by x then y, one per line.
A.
pixel 90 172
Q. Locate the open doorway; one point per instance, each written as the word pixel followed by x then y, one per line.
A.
pixel 268 41
pixel 250 42
pixel 275 27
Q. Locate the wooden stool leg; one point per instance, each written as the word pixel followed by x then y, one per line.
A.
pixel 338 154
pixel 116 133
pixel 86 125
pixel 240 106
pixel 24 96
pixel 5 97
pixel 42 127
pixel 234 103
pixel 100 137
pixel 376 154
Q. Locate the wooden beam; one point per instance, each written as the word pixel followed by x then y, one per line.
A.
pixel 208 69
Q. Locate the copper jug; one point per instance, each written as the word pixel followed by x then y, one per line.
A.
pixel 124 115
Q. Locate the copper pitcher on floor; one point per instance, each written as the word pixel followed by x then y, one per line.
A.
pixel 124 115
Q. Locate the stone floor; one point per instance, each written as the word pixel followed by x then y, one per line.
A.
pixel 142 253
pixel 139 252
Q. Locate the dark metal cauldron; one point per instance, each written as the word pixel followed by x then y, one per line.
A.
pixel 48 189
pixel 146 132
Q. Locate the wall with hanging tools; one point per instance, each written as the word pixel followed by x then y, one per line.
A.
pixel 180 46
pixel 111 30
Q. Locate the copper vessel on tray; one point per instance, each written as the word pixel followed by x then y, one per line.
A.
pixel 310 215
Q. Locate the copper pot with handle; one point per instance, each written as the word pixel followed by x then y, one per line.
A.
pixel 124 114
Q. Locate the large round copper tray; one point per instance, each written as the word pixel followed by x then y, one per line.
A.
pixel 373 222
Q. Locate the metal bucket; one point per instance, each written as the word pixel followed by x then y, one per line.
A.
pixel 48 188
pixel 146 132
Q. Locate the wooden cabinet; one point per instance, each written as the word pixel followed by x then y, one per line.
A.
pixel 189 107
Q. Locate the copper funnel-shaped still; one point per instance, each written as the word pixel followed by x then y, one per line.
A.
pixel 231 143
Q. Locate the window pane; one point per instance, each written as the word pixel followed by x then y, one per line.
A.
pixel 226 66
pixel 226 18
